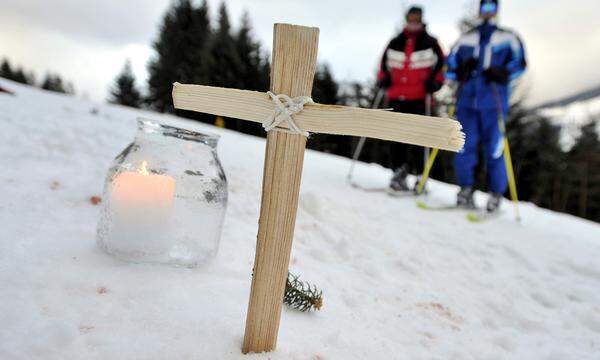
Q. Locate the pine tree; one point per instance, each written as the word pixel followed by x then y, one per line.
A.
pixel 253 72
pixel 124 91
pixel 227 66
pixel 582 195
pixel 251 75
pixel 16 74
pixel 20 77
pixel 325 91
pixel 536 154
pixel 6 70
pixel 325 88
pixel 265 72
pixel 181 52
pixel 54 83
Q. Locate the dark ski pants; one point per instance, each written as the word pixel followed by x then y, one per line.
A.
pixel 404 154
pixel 481 126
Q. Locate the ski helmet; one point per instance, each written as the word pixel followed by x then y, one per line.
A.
pixel 488 7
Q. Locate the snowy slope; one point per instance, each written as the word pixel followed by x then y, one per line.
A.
pixel 572 116
pixel 398 282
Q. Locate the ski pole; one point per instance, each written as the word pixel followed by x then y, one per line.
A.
pixel 512 184
pixel 361 142
pixel 428 113
pixel 429 164
pixel 428 158
pixel 428 167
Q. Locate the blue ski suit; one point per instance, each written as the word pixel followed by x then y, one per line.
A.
pixel 481 100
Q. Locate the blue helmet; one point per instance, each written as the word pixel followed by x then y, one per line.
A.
pixel 488 7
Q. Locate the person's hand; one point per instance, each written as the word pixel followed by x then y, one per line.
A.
pixel 385 82
pixel 463 73
pixel 432 86
pixel 496 74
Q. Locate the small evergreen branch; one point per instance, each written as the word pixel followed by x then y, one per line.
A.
pixel 301 295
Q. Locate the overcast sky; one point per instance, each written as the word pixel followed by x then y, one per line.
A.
pixel 87 42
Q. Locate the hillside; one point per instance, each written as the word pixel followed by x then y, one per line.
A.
pixel 572 112
pixel 398 282
pixel 568 100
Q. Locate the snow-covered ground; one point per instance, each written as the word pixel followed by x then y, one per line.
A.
pixel 571 117
pixel 398 282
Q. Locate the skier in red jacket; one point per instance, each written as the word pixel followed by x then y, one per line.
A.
pixel 411 69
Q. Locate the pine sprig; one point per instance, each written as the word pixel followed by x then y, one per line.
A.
pixel 301 295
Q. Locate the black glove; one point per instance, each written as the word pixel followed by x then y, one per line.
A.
pixel 432 86
pixel 496 74
pixel 385 82
pixel 463 73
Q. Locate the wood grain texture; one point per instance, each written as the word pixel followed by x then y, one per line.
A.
pixel 328 119
pixel 294 62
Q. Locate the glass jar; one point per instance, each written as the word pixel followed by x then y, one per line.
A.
pixel 164 198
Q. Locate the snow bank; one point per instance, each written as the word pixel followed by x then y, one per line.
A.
pixel 398 282
pixel 572 117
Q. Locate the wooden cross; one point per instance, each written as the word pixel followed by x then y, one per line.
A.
pixel 293 67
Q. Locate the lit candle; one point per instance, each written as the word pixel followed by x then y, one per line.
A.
pixel 143 190
pixel 142 206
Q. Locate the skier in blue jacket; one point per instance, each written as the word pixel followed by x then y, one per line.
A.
pixel 483 62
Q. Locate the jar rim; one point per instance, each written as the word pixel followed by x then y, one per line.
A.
pixel 152 126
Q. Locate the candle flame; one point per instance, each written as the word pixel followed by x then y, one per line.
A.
pixel 143 169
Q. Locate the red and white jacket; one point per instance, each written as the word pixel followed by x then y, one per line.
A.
pixel 410 60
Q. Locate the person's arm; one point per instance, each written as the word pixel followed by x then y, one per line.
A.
pixel 384 79
pixel 436 79
pixel 514 67
pixel 518 62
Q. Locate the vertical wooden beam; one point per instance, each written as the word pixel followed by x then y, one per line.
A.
pixel 292 73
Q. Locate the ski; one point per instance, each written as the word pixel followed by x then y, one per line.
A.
pixel 481 216
pixel 423 205
pixel 441 207
pixel 406 193
pixel 385 189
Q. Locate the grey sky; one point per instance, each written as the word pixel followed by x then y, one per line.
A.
pixel 88 41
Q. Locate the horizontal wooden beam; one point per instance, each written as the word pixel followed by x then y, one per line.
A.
pixel 256 106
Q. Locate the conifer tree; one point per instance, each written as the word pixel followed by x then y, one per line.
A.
pixel 248 51
pixel 226 66
pixel 582 194
pixel 537 157
pixel 325 90
pixel 15 74
pixel 54 83
pixel 251 72
pixel 124 90
pixel 227 69
pixel 20 77
pixel 181 52
pixel 6 70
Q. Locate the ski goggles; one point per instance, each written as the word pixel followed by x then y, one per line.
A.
pixel 488 8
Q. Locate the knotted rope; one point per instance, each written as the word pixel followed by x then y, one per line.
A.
pixel 284 112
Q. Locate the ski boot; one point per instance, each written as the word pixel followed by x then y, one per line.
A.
pixel 493 203
pixel 464 199
pixel 398 182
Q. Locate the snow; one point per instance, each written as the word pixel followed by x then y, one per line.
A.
pixel 398 281
pixel 572 117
